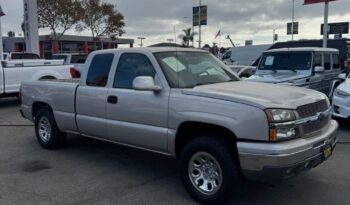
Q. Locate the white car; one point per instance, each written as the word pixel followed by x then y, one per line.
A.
pixel 341 100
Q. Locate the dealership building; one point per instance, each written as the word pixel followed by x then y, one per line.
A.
pixel 66 44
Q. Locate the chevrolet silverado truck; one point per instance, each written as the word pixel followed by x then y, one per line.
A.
pixel 13 72
pixel 187 104
pixel 314 68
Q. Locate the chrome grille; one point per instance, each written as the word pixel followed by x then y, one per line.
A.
pixel 312 109
pixel 315 126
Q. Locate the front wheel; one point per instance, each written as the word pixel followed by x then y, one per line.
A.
pixel 47 132
pixel 208 170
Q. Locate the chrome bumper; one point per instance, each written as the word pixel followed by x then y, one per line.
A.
pixel 260 160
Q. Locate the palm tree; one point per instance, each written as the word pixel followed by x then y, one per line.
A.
pixel 187 37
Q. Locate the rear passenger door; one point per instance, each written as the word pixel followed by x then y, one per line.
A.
pixel 322 81
pixel 91 97
pixel 137 118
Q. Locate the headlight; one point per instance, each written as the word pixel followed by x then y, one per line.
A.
pixel 341 93
pixel 279 115
pixel 282 134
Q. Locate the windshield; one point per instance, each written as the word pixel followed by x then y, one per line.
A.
pixel 286 61
pixel 190 69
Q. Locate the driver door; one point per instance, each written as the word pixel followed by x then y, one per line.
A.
pixel 137 118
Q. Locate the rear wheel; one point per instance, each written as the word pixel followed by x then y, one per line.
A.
pixel 208 170
pixel 47 132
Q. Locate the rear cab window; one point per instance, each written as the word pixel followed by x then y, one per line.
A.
pixel 99 70
pixel 78 59
pixel 24 56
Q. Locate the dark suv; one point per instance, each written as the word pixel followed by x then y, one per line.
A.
pixel 343 45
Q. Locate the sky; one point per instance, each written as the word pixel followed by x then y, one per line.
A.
pixel 159 20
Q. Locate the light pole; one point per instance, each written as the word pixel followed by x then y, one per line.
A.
pixel 141 39
pixel 31 35
pixel 325 25
pixel 200 26
pixel 1 46
pixel 293 15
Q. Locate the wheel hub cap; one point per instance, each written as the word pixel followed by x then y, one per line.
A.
pixel 44 129
pixel 205 173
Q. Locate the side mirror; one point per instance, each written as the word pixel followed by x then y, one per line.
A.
pixel 145 83
pixel 319 69
pixel 342 76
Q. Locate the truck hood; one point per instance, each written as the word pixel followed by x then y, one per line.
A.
pixel 260 95
pixel 278 77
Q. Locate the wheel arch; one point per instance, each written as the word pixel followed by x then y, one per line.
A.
pixel 190 130
pixel 39 105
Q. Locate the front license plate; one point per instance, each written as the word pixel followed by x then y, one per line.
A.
pixel 327 151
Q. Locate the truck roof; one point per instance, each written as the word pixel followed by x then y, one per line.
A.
pixel 311 49
pixel 153 50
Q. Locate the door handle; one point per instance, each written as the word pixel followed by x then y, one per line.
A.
pixel 112 99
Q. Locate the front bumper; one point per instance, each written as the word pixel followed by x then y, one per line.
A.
pixel 282 160
pixel 341 107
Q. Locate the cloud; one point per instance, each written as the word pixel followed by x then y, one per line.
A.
pixel 242 19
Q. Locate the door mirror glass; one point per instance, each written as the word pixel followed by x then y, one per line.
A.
pixel 145 83
pixel 342 76
pixel 319 69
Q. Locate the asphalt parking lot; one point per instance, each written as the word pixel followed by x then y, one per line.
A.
pixel 93 172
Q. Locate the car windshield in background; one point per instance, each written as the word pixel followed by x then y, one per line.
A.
pixel 286 61
pixel 24 56
pixel 191 69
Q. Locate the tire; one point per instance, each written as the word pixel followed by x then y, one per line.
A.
pixel 47 132
pixel 227 178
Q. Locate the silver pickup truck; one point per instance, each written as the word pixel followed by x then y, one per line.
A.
pixel 185 103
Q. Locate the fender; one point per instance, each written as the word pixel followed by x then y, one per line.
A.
pixel 335 84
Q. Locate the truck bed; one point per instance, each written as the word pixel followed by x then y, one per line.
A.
pixel 59 94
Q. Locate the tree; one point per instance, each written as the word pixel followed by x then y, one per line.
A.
pixel 11 34
pixel 187 37
pixel 102 19
pixel 59 15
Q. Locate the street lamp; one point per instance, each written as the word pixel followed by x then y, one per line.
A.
pixel 141 39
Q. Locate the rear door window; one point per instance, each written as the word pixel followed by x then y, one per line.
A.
pixel 99 70
pixel 327 61
pixel 318 60
pixel 336 61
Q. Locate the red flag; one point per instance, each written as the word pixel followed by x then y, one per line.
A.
pixel 316 1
